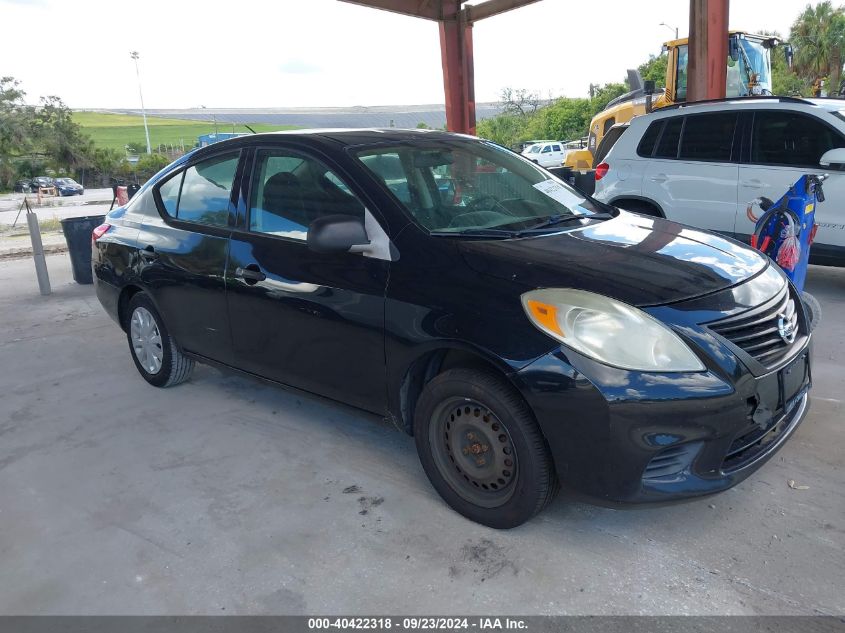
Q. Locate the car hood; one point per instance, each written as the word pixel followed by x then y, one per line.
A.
pixel 639 260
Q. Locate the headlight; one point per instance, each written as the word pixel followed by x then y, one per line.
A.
pixel 608 331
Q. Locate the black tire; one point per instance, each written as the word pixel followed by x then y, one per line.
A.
pixel 813 309
pixel 175 367
pixel 639 206
pixel 495 411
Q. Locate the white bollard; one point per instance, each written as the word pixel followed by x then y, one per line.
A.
pixel 38 253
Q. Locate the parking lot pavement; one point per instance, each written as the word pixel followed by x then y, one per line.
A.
pixel 224 495
pixel 93 201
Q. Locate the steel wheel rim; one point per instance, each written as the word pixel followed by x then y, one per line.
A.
pixel 146 340
pixel 473 452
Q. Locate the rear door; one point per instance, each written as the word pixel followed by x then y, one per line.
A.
pixel 693 172
pixel 784 145
pixel 183 252
pixel 314 321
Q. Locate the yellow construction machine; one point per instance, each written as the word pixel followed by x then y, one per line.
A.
pixel 749 73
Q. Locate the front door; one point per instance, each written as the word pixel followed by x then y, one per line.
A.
pixel 784 146
pixel 313 321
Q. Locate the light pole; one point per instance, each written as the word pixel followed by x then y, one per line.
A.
pixel 134 55
pixel 671 28
pixel 214 117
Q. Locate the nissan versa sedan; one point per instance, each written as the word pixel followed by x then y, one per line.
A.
pixel 527 336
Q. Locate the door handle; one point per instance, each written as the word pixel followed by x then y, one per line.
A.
pixel 659 178
pixel 251 274
pixel 753 184
pixel 148 253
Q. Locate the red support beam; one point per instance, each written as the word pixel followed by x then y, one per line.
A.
pixel 458 72
pixel 708 49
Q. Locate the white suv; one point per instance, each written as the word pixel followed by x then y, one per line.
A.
pixel 701 164
pixel 546 153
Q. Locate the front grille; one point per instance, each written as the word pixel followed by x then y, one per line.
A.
pixel 755 440
pixel 763 332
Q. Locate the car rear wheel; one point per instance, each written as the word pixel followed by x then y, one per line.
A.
pixel 482 450
pixel 154 351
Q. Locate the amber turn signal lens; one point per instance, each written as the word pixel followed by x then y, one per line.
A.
pixel 546 315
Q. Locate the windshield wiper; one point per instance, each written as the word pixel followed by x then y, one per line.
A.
pixel 561 218
pixel 549 221
pixel 479 232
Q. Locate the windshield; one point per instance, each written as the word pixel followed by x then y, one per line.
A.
pixel 459 185
pixel 753 58
pixel 533 149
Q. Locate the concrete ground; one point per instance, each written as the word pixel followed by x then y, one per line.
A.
pixel 228 496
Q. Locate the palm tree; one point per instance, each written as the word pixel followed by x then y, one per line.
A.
pixel 818 36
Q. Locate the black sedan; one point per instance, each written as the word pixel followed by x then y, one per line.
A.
pixel 42 182
pixel 524 334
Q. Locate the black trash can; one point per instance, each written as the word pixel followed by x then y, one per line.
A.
pixel 78 237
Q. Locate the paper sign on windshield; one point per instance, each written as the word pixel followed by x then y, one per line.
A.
pixel 558 192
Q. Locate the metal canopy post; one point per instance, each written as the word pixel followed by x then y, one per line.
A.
pixel 708 49
pixel 458 75
pixel 456 55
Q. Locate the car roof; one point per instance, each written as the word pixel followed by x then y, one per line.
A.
pixel 347 137
pixel 761 102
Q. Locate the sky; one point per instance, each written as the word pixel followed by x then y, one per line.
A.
pixel 292 53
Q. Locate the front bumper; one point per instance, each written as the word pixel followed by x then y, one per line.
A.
pixel 629 436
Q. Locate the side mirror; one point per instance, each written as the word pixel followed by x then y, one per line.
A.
pixel 338 234
pixel 833 157
pixel 733 49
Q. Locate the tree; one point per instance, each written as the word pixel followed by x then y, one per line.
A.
pixel 16 121
pixel 655 70
pixel 785 81
pixel 520 101
pixel 60 137
pixel 818 36
pixel 602 95
pixel 506 129
pixel 563 119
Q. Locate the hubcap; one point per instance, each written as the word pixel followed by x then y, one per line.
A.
pixel 474 452
pixel 146 340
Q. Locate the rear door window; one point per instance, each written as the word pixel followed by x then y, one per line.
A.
pixel 709 137
pixel 667 146
pixel 556 148
pixel 206 191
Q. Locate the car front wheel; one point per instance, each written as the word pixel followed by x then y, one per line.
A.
pixel 482 450
pixel 154 351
